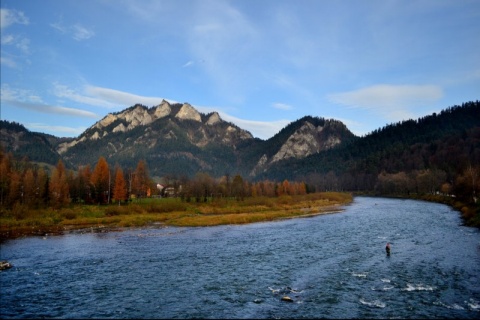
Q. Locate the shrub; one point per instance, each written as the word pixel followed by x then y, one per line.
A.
pixel 166 206
pixel 115 211
pixel 69 214
pixel 19 211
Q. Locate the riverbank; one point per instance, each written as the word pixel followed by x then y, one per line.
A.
pixel 469 212
pixel 21 221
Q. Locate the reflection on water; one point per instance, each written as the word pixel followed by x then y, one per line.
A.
pixel 331 266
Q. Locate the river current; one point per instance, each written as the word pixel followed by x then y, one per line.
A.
pixel 330 266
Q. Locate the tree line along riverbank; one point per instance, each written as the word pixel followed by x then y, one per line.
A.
pixel 171 212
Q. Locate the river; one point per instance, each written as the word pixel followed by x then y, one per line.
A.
pixel 331 266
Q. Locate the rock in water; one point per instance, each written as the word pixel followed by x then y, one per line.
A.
pixel 5 265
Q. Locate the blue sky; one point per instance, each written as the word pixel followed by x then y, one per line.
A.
pixel 66 64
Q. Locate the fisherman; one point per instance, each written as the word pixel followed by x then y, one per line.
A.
pixel 387 248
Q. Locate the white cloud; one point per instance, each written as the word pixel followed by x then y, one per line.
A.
pixel 394 102
pixel 26 99
pixel 116 97
pixel 15 94
pixel 81 33
pixel 45 108
pixel 8 39
pixel 76 31
pixel 62 91
pixel 282 106
pixel 8 62
pixel 20 42
pixel 260 129
pixel 57 130
pixel 59 27
pixel 9 17
pixel 188 64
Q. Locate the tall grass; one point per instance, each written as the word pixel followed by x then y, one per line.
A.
pixel 23 221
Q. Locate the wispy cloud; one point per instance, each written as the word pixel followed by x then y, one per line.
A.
pixel 80 32
pixel 58 130
pixel 20 42
pixel 188 64
pixel 394 102
pixel 16 94
pixel 282 106
pixel 259 129
pixel 8 62
pixel 221 36
pixel 116 97
pixel 76 31
pixel 57 110
pixel 63 91
pixel 9 17
pixel 27 99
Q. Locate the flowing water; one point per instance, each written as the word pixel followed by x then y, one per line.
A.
pixel 331 266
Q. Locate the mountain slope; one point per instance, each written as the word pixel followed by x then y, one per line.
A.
pixel 173 139
pixel 37 147
pixel 302 138
pixel 447 141
pixel 176 139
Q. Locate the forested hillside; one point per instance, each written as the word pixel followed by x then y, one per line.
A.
pixel 15 138
pixel 399 158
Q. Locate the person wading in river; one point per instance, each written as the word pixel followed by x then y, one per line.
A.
pixel 387 248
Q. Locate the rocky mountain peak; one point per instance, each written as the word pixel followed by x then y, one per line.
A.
pixel 162 110
pixel 312 136
pixel 187 112
pixel 303 142
pixel 213 119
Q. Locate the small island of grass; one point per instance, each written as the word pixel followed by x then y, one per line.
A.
pixel 21 221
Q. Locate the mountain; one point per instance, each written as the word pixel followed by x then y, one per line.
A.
pixel 37 147
pixel 302 138
pixel 176 140
pixel 443 144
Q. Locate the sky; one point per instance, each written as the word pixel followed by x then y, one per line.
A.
pixel 66 64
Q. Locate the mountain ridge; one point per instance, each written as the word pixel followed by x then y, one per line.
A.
pixel 176 139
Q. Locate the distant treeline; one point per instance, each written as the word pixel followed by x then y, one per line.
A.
pixel 24 183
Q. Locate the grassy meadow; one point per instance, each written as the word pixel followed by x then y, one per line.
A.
pixel 21 221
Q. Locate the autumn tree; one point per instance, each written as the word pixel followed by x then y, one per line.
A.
pixel 42 183
pixel 29 188
pixel 202 186
pixel 140 180
pixel 238 188
pixel 120 188
pixel 59 190
pixel 84 184
pixel 15 192
pixel 5 167
pixel 101 181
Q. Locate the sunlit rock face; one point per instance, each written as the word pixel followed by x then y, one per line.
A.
pixel 305 141
pixel 187 112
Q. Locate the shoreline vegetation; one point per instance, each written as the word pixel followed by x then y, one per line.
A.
pixel 469 211
pixel 168 212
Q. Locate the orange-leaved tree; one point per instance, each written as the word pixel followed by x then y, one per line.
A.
pixel 59 191
pixel 120 188
pixel 141 180
pixel 101 181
